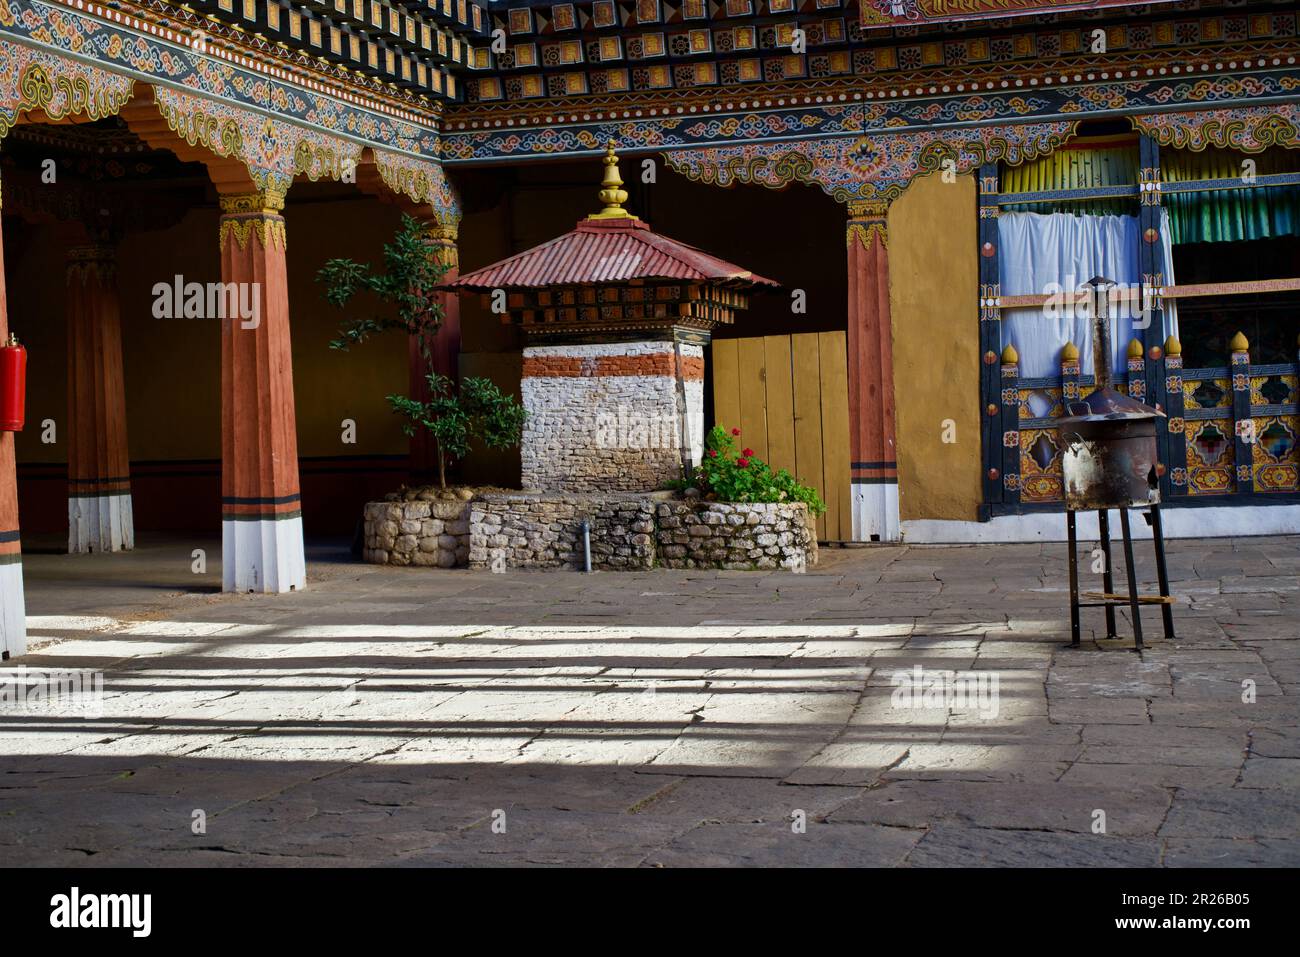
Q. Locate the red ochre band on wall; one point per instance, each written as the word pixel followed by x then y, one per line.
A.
pixel 874 473
pixel 655 363
pixel 235 509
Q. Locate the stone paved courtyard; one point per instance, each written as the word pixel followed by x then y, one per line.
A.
pixel 393 716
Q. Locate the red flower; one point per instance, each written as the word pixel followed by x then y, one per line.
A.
pixel 743 463
pixel 713 453
pixel 748 453
pixel 735 431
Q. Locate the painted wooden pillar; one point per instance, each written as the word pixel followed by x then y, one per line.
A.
pixel 1154 332
pixel 1242 423
pixel 99 481
pixel 13 611
pixel 444 349
pixel 990 332
pixel 873 458
pixel 1176 427
pixel 261 520
pixel 1137 371
pixel 1010 425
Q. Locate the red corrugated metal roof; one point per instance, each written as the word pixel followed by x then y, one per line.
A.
pixel 606 251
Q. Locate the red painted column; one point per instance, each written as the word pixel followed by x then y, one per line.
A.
pixel 262 545
pixel 13 612
pixel 874 461
pixel 99 483
pixel 444 350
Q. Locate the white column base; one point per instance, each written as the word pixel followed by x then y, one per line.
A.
pixel 262 555
pixel 875 512
pixel 100 523
pixel 13 610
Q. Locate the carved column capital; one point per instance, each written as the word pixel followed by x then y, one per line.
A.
pixel 97 260
pixel 868 210
pixel 243 214
pixel 867 223
pixel 443 240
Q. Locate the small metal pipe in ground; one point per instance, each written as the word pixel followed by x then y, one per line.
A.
pixel 586 545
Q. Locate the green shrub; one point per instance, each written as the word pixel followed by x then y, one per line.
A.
pixel 727 475
pixel 477 410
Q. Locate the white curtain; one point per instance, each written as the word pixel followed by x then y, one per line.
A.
pixel 1042 253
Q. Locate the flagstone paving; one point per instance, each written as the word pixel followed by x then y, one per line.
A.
pixel 419 717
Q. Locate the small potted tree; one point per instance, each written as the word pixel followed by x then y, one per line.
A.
pixel 479 410
pixel 453 415
pixel 421 526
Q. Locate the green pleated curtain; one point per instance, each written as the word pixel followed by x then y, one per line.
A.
pixel 1229 215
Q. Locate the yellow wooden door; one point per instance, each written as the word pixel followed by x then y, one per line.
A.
pixel 789 397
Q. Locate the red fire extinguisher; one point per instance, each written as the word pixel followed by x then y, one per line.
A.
pixel 13 385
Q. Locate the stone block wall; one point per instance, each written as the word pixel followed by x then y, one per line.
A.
pixel 532 531
pixel 502 530
pixel 433 531
pixel 735 535
pixel 607 417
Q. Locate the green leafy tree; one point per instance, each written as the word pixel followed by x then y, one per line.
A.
pixel 455 417
pixel 408 281
pixel 480 410
pixel 729 475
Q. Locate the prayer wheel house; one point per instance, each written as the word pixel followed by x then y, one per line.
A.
pixel 616 319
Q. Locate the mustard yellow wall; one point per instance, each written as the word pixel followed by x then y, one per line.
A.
pixel 934 299
pixel 173 367
pixel 328 385
pixel 34 284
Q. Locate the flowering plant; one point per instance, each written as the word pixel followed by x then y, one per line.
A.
pixel 728 476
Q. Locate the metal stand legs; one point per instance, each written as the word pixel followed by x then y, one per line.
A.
pixel 1108 599
pixel 1074 579
pixel 1108 574
pixel 1162 572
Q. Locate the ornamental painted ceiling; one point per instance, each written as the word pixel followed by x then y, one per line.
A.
pixel 767 91
pixel 907 13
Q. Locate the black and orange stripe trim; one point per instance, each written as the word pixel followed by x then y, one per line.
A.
pixel 247 509
pixel 874 473
pixel 11 547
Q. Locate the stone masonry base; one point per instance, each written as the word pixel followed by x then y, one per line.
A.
pixel 629 531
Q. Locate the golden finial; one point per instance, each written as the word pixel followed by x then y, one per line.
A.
pixel 1134 349
pixel 1069 352
pixel 1009 356
pixel 1173 347
pixel 1239 343
pixel 612 193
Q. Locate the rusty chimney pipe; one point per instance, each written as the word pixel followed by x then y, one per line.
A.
pixel 1101 364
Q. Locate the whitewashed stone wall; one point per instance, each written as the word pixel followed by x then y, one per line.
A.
pixel 606 417
pixel 735 535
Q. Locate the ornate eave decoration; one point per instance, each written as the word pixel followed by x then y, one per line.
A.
pixel 1247 129
pixel 164 52
pixel 874 167
pixel 273 151
pixel 422 182
pixel 722 121
pixel 33 79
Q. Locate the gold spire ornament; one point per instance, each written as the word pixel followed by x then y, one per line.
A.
pixel 612 193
